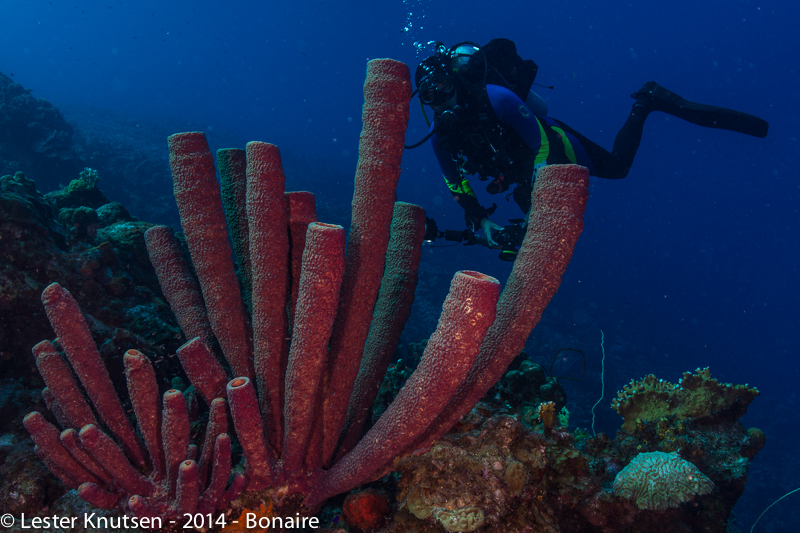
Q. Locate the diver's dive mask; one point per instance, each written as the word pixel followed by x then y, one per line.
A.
pixel 435 92
pixel 434 79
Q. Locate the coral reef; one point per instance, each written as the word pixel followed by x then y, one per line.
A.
pixel 366 510
pixel 259 340
pixel 80 192
pixel 499 475
pixel 547 415
pixel 478 478
pixel 22 203
pixel 525 387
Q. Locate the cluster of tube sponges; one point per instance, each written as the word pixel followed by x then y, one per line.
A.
pixel 302 354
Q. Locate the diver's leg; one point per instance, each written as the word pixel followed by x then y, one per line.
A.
pixel 656 98
pixel 614 165
pixel 626 143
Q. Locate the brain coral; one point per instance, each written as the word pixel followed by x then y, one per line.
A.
pixel 658 481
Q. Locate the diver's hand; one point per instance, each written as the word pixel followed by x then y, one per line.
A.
pixel 487 226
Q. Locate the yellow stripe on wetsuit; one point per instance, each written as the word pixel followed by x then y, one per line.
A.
pixel 463 187
pixel 460 188
pixel 569 151
pixel 544 146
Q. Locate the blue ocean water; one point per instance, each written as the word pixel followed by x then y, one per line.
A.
pixel 691 261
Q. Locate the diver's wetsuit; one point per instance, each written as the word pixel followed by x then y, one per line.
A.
pixel 536 141
pixel 546 141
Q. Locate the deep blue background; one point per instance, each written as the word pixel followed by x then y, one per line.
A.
pixel 689 262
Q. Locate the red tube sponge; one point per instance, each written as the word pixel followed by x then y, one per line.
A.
pixel 73 334
pixel 302 212
pixel 232 163
pixel 387 92
pixel 72 442
pixel 554 225
pixel 143 391
pixel 175 436
pixel 97 496
pixel 177 283
pixel 47 440
pixel 110 456
pixel 203 369
pixel 392 309
pixel 323 266
pixel 220 471
pixel 62 386
pixel 203 222
pixel 188 487
pixel 269 259
pixel 250 429
pixel 467 313
pixel 217 425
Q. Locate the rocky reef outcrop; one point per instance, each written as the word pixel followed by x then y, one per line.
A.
pixel 92 246
pixel 33 134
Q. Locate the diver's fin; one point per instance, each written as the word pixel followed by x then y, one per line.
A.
pixel 654 97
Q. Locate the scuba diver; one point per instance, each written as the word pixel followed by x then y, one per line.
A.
pixel 488 121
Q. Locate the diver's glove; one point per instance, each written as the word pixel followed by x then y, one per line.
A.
pixel 488 226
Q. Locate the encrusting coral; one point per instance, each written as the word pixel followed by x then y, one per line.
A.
pixel 289 429
pixel 697 396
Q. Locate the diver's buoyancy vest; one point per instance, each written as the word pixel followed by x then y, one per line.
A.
pixel 491 150
pixel 494 151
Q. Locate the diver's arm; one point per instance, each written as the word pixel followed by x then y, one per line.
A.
pixel 479 215
pixel 465 196
pixel 488 226
pixel 459 186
